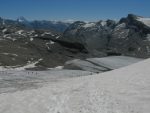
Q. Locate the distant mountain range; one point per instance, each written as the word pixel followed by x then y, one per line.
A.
pixel 48 44
pixel 58 26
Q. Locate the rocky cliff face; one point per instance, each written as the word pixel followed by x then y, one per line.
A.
pixel 93 35
pixel 129 36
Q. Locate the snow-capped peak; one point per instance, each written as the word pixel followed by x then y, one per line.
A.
pixel 21 19
pixel 103 23
pixel 90 24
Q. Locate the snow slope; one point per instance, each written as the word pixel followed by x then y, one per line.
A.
pixel 101 64
pixel 125 90
pixel 115 62
pixel 14 80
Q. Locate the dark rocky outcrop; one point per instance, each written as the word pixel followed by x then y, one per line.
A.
pixel 129 36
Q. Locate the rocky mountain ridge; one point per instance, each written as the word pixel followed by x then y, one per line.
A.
pixel 21 44
pixel 58 26
pixel 129 36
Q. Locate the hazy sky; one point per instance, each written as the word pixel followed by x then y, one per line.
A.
pixel 89 10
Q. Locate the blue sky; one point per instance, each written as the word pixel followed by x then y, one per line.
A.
pixel 90 10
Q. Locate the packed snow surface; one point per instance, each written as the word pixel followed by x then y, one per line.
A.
pixel 102 64
pixel 115 62
pixel 14 80
pixel 124 90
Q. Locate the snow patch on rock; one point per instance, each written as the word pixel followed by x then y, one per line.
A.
pixel 103 23
pixel 28 65
pixel 31 39
pixel 4 30
pixel 90 24
pixel 51 42
pixel 9 54
pixel 19 32
pixel 59 67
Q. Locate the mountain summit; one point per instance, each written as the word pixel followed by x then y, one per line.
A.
pixel 22 19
